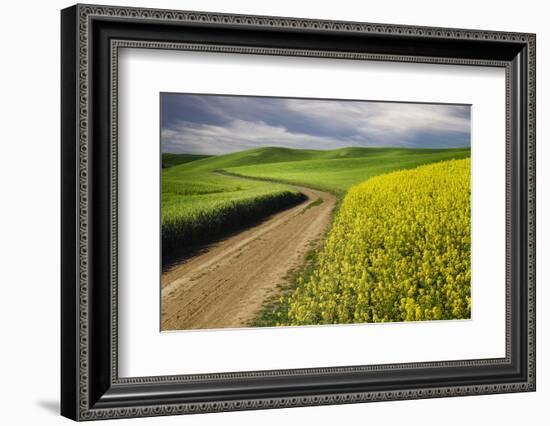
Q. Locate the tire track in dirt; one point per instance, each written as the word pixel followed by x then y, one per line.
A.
pixel 225 286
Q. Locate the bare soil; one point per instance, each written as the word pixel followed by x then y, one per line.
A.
pixel 227 284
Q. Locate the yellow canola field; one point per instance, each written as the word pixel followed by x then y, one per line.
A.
pixel 399 250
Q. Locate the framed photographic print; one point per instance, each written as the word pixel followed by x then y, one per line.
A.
pixel 263 212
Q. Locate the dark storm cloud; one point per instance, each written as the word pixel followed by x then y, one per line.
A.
pixel 213 124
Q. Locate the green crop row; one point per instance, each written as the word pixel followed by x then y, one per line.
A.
pixel 199 219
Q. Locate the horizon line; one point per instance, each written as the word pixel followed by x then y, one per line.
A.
pixel 320 150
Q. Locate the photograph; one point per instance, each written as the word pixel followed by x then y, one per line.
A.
pixel 267 209
pixel 279 212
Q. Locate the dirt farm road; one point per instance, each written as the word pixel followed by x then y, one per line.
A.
pixel 225 286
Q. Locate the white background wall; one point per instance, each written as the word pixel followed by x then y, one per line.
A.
pixel 29 225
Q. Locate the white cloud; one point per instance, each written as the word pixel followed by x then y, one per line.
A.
pixel 239 135
pixel 250 122
pixel 383 118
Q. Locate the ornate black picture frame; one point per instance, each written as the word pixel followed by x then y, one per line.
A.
pixel 91 387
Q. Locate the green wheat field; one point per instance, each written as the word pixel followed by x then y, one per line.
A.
pixel 399 245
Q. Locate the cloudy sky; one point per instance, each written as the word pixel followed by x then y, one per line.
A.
pixel 212 124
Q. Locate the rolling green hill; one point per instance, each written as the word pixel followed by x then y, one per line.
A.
pixel 337 170
pixel 200 203
pixel 170 160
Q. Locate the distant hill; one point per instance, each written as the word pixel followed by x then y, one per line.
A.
pixel 334 170
pixel 202 197
pixel 171 160
pixel 268 155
